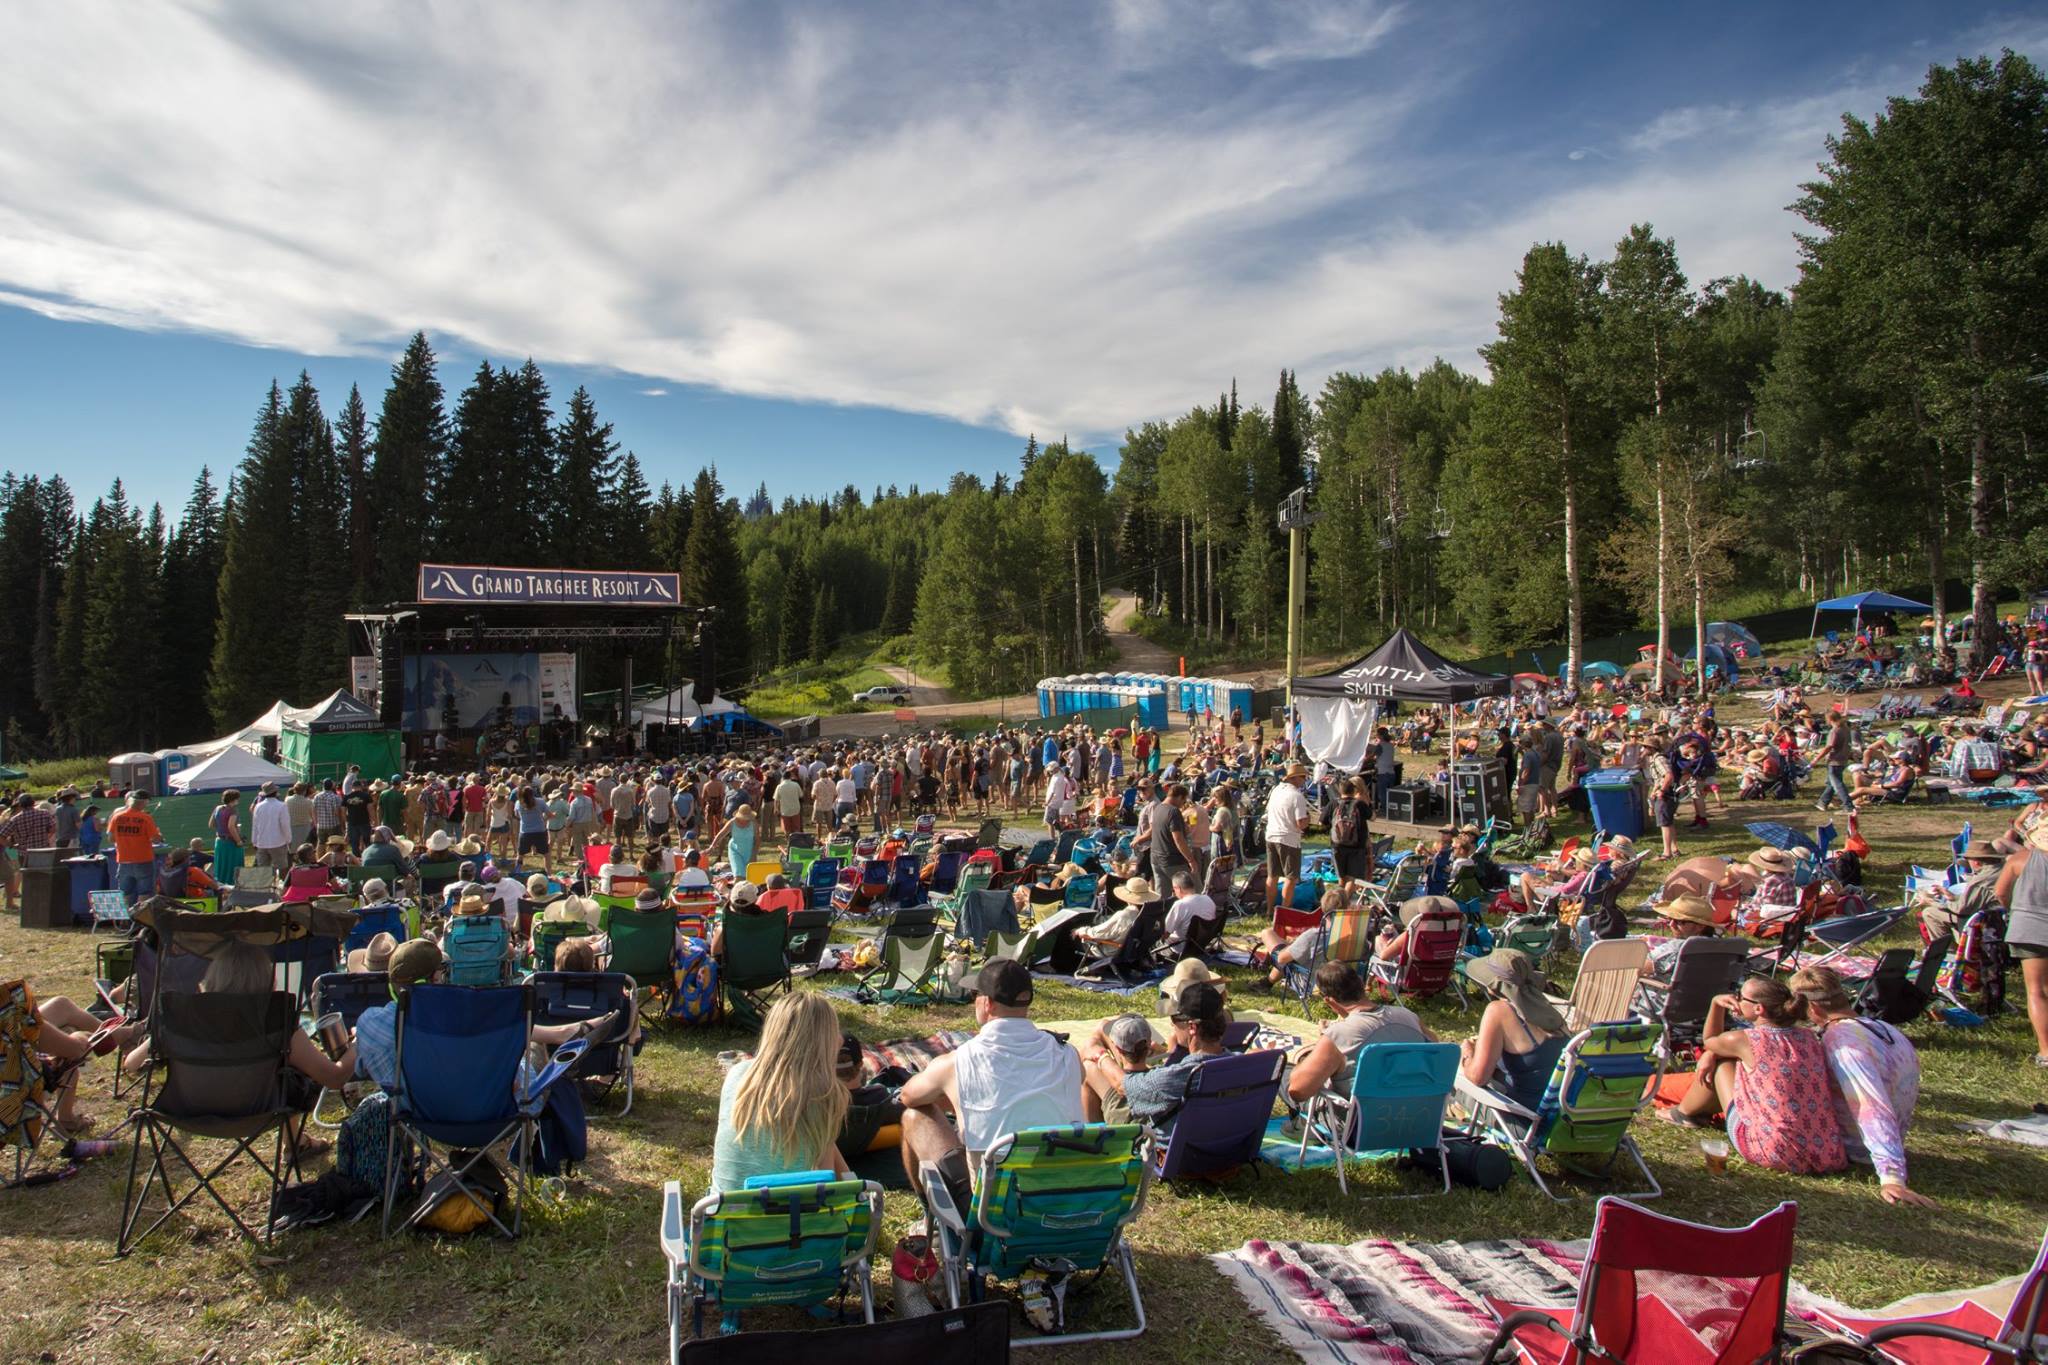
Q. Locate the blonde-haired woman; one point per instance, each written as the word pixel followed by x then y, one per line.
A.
pixel 782 1109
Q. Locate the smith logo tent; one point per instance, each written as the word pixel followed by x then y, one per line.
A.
pixel 1339 709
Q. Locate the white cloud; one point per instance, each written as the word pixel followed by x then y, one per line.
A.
pixel 656 392
pixel 808 208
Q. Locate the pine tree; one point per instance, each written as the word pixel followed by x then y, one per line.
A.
pixel 256 652
pixel 630 513
pixel 1290 434
pixel 899 599
pixel 799 601
pixel 825 622
pixel 406 471
pixel 587 480
pixel 713 576
pixel 477 476
pixel 529 485
pixel 320 519
pixel 352 445
pixel 192 565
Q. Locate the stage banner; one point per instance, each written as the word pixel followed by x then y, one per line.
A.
pixel 473 691
pixel 558 686
pixel 470 584
pixel 362 677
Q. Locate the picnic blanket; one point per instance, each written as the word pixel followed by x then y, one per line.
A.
pixel 2028 1129
pixel 1377 1302
pixel 912 1054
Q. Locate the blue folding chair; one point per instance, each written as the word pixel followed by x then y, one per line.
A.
pixel 461 1087
pixel 372 920
pixel 346 994
pixel 904 886
pixel 1221 1124
pixel 823 877
pixel 945 873
pixel 1079 893
pixel 1399 1092
pixel 574 997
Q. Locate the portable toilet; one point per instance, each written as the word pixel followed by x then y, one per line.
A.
pixel 134 772
pixel 169 763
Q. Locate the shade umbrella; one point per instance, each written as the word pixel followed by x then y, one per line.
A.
pixel 1601 668
pixel 1694 877
pixel 1782 836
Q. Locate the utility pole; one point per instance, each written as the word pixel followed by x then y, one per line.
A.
pixel 1295 519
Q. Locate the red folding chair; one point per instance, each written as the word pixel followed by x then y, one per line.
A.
pixel 1662 1291
pixel 1967 1334
pixel 1435 941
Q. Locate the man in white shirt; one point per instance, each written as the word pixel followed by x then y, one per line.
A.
pixel 1189 905
pixel 1009 1076
pixel 789 804
pixel 661 799
pixel 270 830
pixel 1059 798
pixel 1286 818
pixel 823 790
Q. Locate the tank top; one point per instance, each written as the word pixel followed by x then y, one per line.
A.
pixel 1784 1113
pixel 1528 1073
pixel 2028 919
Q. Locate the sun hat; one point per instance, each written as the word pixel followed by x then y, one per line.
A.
pixel 336 841
pixel 416 959
pixel 473 904
pixel 1691 909
pixel 1129 1034
pixel 1415 907
pixel 537 890
pixel 1186 973
pixel 1295 770
pixel 439 842
pixel 1510 974
pixel 1986 849
pixel 376 957
pixel 1136 891
pixel 1768 859
pixel 469 847
pixel 1584 857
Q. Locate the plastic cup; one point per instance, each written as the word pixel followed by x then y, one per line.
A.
pixel 1715 1150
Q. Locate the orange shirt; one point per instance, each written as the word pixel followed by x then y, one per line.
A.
pixel 135 836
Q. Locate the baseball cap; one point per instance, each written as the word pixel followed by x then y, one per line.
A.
pixel 1198 1000
pixel 1006 981
pixel 1129 1034
pixel 415 960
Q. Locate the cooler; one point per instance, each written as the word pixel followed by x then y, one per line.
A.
pixel 1616 795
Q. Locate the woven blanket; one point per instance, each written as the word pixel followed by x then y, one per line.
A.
pixel 912 1054
pixel 1377 1302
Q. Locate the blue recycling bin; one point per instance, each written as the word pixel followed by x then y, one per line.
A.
pixel 1616 795
pixel 87 876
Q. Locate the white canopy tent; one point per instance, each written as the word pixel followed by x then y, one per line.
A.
pixel 233 766
pixel 269 725
pixel 678 708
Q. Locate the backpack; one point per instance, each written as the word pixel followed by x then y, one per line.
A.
pixel 475 949
pixel 457 1211
pixel 1344 829
pixel 695 999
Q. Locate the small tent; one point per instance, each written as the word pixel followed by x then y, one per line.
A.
pixel 1860 602
pixel 1338 709
pixel 335 733
pixel 233 766
pixel 1737 638
pixel 251 736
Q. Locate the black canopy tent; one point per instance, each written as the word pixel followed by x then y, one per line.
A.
pixel 1339 707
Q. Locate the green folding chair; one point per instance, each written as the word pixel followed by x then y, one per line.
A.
pixel 755 965
pixel 796 1242
pixel 644 948
pixel 1059 1194
pixel 905 972
pixel 549 935
pixel 1606 1076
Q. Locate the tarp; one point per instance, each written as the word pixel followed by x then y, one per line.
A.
pixel 1403 669
pixel 233 766
pixel 1337 730
pixel 1871 601
pixel 337 712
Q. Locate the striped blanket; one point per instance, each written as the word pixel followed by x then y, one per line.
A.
pixel 1377 1302
pixel 912 1054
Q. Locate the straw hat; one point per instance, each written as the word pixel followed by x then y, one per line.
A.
pixel 473 904
pixel 336 841
pixel 1186 973
pixel 376 957
pixel 1415 907
pixel 1691 909
pixel 1985 850
pixel 1512 976
pixel 1136 891
pixel 1585 858
pixel 1768 859
pixel 469 847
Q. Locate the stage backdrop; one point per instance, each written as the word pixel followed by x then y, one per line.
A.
pixel 535 683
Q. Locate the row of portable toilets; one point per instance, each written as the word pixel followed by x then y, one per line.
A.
pixel 1154 694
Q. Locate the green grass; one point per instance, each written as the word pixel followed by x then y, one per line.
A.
pixel 826 687
pixel 48 775
pixel 586 1281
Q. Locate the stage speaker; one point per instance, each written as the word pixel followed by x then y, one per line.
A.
pixel 390 683
pixel 704 686
pixel 1411 803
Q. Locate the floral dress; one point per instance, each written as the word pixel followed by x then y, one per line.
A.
pixel 1784 1116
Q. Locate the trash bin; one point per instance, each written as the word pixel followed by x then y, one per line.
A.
pixel 87 876
pixel 1616 795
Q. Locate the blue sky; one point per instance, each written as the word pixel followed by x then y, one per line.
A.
pixel 859 243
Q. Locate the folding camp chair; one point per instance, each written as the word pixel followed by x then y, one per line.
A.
pixel 1430 963
pixel 574 997
pixel 1703 969
pixel 972 879
pixel 109 909
pixel 346 994
pixel 461 1092
pixel 912 951
pixel 761 869
pixel 1130 960
pixel 905 887
pixel 1061 1192
pixel 1021 945
pixel 1845 933
pixel 1063 850
pixel 1346 937
pixel 1663 1291
pixel 824 876
pixel 805 938
pixel 30 1083
pixel 945 873
pixel 1395 1106
pixel 255 878
pixel 971 1335
pixel 644 948
pixel 548 937
pixel 372 920
pixel 1605 987
pixel 1893 993
pixel 797 1241
pixel 1216 886
pixel 1967 1334
pixel 1976 965
pixel 223 1077
pixel 1222 1122
pixel 1534 934
pixel 1079 891
pixel 1604 1077
pixel 981 913
pixel 755 967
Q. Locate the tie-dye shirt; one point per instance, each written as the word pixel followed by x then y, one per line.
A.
pixel 1875 1076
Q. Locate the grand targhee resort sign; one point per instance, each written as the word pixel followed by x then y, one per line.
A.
pixel 489 585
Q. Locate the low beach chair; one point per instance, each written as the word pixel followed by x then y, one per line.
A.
pixel 1395 1106
pixel 1606 1075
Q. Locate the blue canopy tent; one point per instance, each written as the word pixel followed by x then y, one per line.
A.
pixel 1859 602
pixel 1596 668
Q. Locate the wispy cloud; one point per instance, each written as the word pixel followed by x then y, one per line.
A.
pixel 656 392
pixel 937 214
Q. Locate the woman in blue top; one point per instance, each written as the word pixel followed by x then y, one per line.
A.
pixel 781 1109
pixel 1521 1033
pixel 89 832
